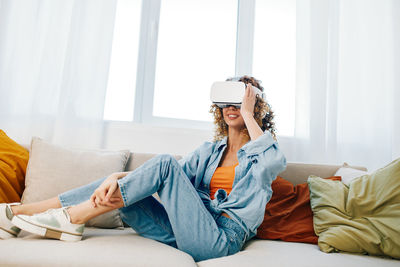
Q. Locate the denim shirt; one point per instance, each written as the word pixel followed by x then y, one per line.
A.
pixel 260 161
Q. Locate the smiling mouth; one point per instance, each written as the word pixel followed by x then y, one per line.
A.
pixel 233 116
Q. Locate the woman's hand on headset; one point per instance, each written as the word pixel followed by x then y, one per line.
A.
pixel 249 100
pixel 247 111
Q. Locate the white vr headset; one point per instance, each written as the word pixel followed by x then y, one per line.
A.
pixel 224 94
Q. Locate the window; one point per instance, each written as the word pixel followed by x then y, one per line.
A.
pixel 120 94
pixel 196 46
pixel 274 60
pixel 167 54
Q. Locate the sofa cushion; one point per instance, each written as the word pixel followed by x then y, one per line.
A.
pixel 348 173
pixel 13 162
pixel 260 253
pixel 99 247
pixel 53 170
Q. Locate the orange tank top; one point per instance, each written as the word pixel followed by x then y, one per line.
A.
pixel 222 179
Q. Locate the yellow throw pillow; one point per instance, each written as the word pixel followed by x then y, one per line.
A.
pixel 363 217
pixel 13 162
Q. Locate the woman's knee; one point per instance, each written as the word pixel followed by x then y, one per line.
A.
pixel 166 167
pixel 166 158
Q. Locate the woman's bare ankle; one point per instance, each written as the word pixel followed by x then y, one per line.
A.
pixel 16 209
pixel 84 211
pixel 36 207
pixel 74 217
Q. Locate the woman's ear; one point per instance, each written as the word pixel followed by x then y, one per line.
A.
pixel 268 108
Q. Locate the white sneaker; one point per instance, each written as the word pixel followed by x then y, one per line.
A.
pixel 7 229
pixel 54 223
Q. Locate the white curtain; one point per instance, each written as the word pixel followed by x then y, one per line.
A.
pixel 348 83
pixel 54 61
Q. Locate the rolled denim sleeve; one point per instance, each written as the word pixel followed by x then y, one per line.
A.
pixel 259 145
pixel 267 158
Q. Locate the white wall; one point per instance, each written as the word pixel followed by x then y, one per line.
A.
pixel 153 139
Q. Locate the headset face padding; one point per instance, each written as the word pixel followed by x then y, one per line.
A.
pixel 230 93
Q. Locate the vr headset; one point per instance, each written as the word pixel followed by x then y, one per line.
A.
pixel 225 94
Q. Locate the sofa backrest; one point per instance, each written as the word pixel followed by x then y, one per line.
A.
pixel 137 159
pixel 296 173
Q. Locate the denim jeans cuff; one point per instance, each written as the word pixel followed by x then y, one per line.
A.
pixel 64 203
pixel 121 186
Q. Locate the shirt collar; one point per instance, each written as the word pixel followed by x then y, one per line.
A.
pixel 257 146
pixel 222 143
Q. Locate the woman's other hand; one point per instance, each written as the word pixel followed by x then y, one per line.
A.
pixel 107 194
pixel 249 100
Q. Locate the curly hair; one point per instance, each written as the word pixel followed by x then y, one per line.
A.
pixel 263 113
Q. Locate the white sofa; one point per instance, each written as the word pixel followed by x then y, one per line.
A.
pixel 123 247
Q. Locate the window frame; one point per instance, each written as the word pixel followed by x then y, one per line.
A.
pixel 147 56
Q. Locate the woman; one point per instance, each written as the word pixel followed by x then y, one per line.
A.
pixel 213 200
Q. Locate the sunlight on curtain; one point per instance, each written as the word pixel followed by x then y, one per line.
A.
pixel 346 83
pixel 120 97
pixel 274 58
pixel 53 69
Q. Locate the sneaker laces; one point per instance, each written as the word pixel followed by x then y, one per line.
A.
pixel 49 211
pixel 52 211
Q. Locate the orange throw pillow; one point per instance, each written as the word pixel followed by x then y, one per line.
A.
pixel 288 214
pixel 13 162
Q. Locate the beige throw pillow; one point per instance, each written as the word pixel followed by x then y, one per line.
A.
pixel 348 173
pixel 53 170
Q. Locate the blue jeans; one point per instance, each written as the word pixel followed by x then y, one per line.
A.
pixel 181 221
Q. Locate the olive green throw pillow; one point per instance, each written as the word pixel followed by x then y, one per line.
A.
pixel 363 217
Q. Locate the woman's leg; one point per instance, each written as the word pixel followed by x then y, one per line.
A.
pixel 68 198
pixel 85 211
pixel 149 219
pixel 183 220
pixel 65 223
pixel 37 207
pixel 8 229
pixel 151 222
pixel 80 213
pixel 194 228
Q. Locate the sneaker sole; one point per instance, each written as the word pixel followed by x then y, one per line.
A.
pixel 43 231
pixel 4 234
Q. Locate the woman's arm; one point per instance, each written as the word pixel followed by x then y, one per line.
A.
pixel 247 112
